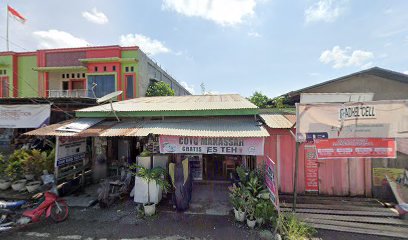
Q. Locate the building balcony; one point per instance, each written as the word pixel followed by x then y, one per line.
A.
pixel 75 93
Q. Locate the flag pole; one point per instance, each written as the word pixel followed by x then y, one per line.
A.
pixel 7 30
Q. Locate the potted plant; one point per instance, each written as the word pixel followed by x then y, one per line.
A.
pixel 15 169
pixel 237 201
pixel 250 206
pixel 260 210
pixel 155 175
pixel 32 165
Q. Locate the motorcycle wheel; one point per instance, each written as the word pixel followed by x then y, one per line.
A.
pixel 59 213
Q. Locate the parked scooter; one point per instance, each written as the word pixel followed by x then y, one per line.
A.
pixel 52 206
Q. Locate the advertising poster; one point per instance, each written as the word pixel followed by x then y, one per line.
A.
pixel 374 119
pixel 355 148
pixel 70 150
pixel 25 116
pixel 208 145
pixel 271 183
pixel 311 170
pixel 379 174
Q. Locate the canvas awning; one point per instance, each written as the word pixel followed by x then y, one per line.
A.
pixel 204 127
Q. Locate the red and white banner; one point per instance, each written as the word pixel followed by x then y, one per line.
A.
pixel 270 180
pixel 355 148
pixel 16 14
pixel 209 145
pixel 311 169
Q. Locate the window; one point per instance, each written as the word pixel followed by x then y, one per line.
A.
pixel 72 75
pixel 126 69
pixel 63 75
pixel 104 68
pixel 113 68
pixel 96 69
pixel 131 69
pixel 4 72
pixel 65 85
pixel 78 75
pixel 83 75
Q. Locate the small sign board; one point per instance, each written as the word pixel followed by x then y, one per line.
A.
pixel 311 169
pixel 270 179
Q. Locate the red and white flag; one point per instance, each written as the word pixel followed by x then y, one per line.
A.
pixel 16 14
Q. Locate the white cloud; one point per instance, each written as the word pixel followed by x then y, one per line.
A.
pixel 345 58
pixel 223 12
pixel 95 16
pixel 58 39
pixel 148 45
pixel 406 72
pixel 189 88
pixel 254 34
pixel 324 10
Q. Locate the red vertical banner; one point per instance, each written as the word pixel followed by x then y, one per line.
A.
pixel 311 170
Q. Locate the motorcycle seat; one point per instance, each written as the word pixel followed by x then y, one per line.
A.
pixel 11 205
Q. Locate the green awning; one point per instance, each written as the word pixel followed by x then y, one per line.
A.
pixel 60 69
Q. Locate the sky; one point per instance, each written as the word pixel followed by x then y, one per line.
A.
pixel 227 46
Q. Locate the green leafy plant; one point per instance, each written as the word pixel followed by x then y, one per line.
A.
pixel 291 228
pixel 145 153
pixel 3 165
pixel 242 174
pixel 33 164
pixel 156 174
pixel 237 198
pixel 15 166
pixel 159 89
pixel 48 160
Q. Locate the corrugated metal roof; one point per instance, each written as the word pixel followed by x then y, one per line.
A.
pixel 176 103
pixel 279 120
pixel 204 127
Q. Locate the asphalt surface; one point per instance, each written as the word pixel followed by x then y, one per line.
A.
pixel 122 222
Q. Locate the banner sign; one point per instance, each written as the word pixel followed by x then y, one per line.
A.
pixel 311 170
pixel 25 116
pixel 70 150
pixel 375 119
pixel 209 145
pixel 270 180
pixel 356 148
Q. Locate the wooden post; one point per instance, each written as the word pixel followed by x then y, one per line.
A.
pixel 295 177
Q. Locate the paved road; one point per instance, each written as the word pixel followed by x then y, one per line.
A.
pixel 121 222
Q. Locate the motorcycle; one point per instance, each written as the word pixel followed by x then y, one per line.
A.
pixel 52 206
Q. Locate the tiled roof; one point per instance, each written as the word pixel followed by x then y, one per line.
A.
pixel 204 127
pixel 176 103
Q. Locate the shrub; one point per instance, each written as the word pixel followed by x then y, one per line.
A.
pixel 15 166
pixel 291 228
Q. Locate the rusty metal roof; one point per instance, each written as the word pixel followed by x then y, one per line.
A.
pixel 176 103
pixel 204 127
pixel 279 120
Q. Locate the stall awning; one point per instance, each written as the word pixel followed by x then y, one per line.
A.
pixel 204 127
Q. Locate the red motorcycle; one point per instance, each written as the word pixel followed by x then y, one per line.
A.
pixel 54 207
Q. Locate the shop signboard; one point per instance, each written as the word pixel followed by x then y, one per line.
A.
pixel 211 145
pixel 270 180
pixel 375 119
pixel 311 170
pixel 70 150
pixel 355 148
pixel 25 116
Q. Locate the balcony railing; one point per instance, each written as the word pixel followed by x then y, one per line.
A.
pixel 77 93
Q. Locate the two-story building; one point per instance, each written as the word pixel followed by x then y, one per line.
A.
pixel 88 72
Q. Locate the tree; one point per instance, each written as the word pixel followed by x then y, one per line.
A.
pixel 259 99
pixel 159 89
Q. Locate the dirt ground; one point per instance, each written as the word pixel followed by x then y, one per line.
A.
pixel 122 222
